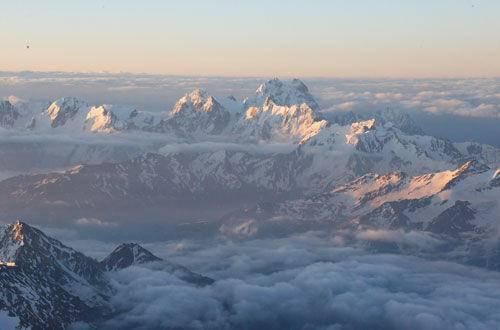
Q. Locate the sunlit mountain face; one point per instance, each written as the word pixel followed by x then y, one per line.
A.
pixel 335 206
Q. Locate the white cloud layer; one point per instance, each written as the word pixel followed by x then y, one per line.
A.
pixel 468 98
pixel 307 281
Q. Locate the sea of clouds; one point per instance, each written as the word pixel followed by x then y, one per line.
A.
pixel 313 280
pixel 457 109
pixel 306 281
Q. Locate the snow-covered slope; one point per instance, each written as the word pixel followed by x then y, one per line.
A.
pixel 283 93
pixel 295 124
pixel 102 120
pixel 338 154
pixel 126 255
pixel 417 202
pixel 279 112
pixel 398 119
pixel 453 214
pixel 322 163
pixel 69 132
pixel 70 117
pixel 48 285
pixel 8 114
pixel 197 114
pixel 152 180
pixel 482 152
pixel 267 165
pixel 65 110
pixel 132 254
pixel 319 156
pixel 462 201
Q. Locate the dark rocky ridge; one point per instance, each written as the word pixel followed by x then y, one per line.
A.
pixel 51 285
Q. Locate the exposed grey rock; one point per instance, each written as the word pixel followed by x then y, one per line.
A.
pixel 63 110
pixel 48 285
pixel 454 220
pixel 51 284
pixel 126 255
pixel 8 114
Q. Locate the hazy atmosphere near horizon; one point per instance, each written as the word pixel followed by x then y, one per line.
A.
pixel 361 38
pixel 217 164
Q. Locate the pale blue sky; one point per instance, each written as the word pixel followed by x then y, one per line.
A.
pixel 362 38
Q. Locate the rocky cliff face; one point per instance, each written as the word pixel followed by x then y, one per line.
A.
pixel 48 285
pixel 8 114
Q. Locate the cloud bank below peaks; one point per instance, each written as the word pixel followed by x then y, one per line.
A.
pixel 307 282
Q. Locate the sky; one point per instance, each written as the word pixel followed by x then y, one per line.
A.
pixel 315 38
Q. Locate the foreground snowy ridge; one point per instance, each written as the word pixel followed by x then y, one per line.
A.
pixel 52 285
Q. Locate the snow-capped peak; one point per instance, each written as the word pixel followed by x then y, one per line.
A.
pixel 13 99
pixel 358 128
pixel 495 180
pixel 64 109
pixel 8 114
pixel 19 234
pixel 16 231
pixel 283 93
pixel 47 284
pixel 395 118
pixel 400 120
pixel 11 239
pixel 467 169
pixel 297 122
pixel 197 113
pixel 472 167
pixel 197 100
pixel 103 120
pixel 126 255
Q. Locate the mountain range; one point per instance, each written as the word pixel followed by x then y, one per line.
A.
pixel 269 165
pixel 209 162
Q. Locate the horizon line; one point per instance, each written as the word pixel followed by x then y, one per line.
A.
pixel 285 76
